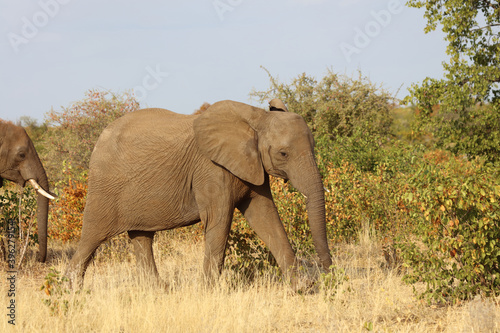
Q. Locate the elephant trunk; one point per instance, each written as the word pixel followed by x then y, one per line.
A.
pixel 311 186
pixel 42 217
pixel 317 224
pixel 38 178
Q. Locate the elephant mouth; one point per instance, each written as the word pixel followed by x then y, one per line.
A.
pixel 21 182
pixel 13 176
pixel 278 173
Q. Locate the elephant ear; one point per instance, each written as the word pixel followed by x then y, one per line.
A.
pixel 277 105
pixel 224 135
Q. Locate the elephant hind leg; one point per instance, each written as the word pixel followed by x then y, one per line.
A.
pixel 82 258
pixel 143 248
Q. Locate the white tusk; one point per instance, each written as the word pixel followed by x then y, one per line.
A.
pixel 326 190
pixel 40 189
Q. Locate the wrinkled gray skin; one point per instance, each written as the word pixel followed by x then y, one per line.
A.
pixel 19 163
pixel 154 169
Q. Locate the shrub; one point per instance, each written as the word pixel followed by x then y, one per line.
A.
pixel 18 205
pixel 336 106
pixel 455 248
pixel 66 215
pixel 75 129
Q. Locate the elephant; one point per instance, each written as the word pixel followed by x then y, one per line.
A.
pixel 19 163
pixel 154 170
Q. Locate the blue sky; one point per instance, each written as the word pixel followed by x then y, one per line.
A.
pixel 177 55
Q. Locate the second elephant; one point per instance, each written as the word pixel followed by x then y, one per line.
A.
pixel 19 163
pixel 154 169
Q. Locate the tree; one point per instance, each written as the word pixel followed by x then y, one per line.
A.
pixel 337 106
pixel 468 97
pixel 75 129
pixel 35 131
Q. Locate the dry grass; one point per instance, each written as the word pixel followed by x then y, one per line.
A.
pixel 372 298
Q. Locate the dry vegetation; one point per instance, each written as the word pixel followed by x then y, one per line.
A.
pixel 370 297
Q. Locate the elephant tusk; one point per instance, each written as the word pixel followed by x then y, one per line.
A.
pixel 326 190
pixel 40 189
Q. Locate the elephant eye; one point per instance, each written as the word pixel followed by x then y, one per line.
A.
pixel 283 154
pixel 22 156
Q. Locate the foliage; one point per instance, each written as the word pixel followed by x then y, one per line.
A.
pixel 36 132
pixel 55 287
pixel 329 282
pixel 365 152
pixel 336 106
pixel 14 203
pixel 468 97
pixel 455 247
pixel 67 210
pixel 75 129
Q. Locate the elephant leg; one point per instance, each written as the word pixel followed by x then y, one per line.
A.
pixel 264 219
pixel 81 259
pixel 143 248
pixel 216 233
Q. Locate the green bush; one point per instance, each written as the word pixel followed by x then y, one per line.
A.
pixel 18 205
pixel 336 106
pixel 455 246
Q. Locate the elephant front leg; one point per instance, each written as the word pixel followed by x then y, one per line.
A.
pixel 143 248
pixel 216 235
pixel 264 219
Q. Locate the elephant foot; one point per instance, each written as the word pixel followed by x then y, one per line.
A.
pixel 41 257
pixel 148 280
pixel 303 285
pixel 160 284
pixel 73 280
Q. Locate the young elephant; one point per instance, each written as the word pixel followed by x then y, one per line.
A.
pixel 154 169
pixel 20 163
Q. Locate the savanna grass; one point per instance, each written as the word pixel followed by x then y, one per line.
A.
pixel 362 295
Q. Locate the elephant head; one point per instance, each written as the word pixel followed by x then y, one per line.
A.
pixel 19 162
pixel 251 143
